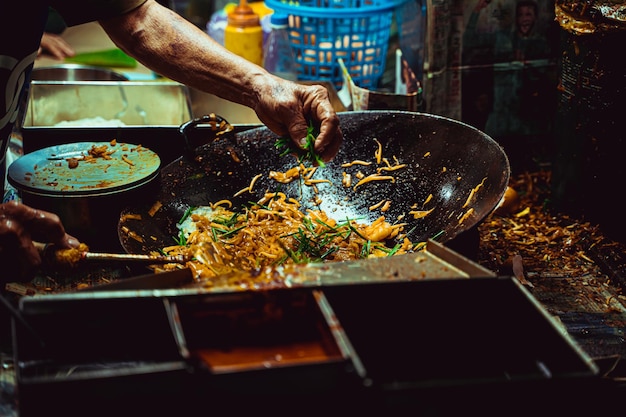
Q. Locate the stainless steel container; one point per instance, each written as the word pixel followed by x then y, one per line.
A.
pixel 59 112
pixel 54 104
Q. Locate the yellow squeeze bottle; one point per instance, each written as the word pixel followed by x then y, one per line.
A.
pixel 243 34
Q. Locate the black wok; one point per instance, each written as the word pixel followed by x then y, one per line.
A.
pixel 445 158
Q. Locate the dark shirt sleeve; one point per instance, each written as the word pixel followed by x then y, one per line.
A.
pixel 75 12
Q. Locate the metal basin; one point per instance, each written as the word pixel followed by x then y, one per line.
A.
pixel 75 72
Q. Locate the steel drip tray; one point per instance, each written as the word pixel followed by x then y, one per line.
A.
pixel 258 331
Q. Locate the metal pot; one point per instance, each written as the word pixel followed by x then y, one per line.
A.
pixel 87 192
pixel 463 170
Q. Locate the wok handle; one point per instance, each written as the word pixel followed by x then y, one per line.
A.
pixel 219 126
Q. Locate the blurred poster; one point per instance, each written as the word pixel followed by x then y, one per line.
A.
pixel 507 60
pixel 500 72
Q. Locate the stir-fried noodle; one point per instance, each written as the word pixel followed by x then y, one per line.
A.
pixel 275 232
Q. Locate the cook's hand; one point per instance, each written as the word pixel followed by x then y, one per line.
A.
pixel 20 225
pixel 148 32
pixel 285 108
pixel 56 46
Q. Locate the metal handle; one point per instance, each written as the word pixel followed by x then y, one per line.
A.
pixel 219 127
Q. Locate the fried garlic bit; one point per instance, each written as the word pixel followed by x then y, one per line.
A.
pixel 346 180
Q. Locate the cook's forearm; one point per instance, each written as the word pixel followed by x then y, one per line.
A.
pixel 169 45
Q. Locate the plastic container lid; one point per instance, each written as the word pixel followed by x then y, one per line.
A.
pixel 279 19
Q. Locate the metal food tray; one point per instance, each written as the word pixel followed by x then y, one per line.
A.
pixel 133 103
pixel 58 112
pixel 391 343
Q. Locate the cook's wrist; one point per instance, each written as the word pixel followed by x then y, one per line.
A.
pixel 257 87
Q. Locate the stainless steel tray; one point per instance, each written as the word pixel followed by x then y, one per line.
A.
pixel 59 112
pixel 54 104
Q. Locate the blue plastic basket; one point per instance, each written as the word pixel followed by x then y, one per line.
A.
pixel 355 30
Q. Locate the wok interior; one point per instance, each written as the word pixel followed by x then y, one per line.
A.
pixel 446 160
